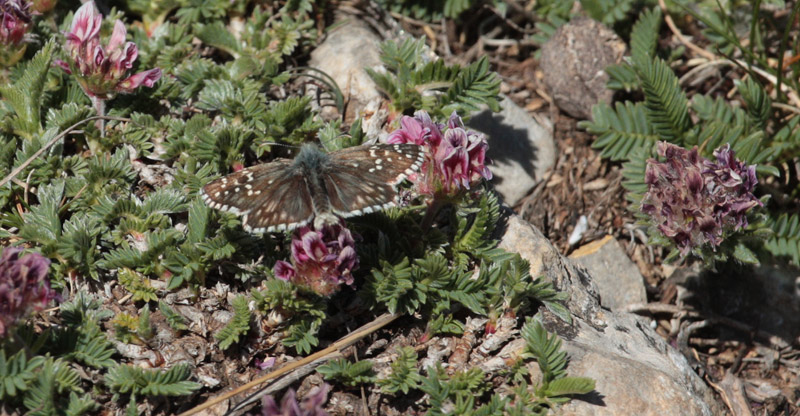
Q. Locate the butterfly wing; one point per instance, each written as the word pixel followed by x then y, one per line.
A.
pixel 363 179
pixel 271 197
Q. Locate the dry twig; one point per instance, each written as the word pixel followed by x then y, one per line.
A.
pixel 318 357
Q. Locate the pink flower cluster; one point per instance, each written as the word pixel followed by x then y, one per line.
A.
pixel 456 156
pixel 23 286
pixel 15 22
pixel 312 405
pixel 103 72
pixel 321 260
pixel 694 201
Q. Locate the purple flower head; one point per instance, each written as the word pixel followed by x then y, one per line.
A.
pixel 102 71
pixel 693 201
pixel 321 260
pixel 15 22
pixel 23 286
pixel 311 405
pixel 456 156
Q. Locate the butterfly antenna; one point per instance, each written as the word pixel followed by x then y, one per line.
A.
pixel 325 79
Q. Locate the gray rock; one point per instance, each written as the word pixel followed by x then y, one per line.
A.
pixel 618 279
pixel 520 148
pixel 636 371
pixel 574 60
pixel 344 54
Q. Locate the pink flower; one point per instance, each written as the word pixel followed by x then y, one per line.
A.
pixel 23 286
pixel 419 130
pixel 310 406
pixel 695 202
pixel 102 72
pixel 15 22
pixel 321 260
pixel 267 363
pixel 456 158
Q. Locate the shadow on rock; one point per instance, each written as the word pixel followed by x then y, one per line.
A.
pixel 765 299
pixel 507 143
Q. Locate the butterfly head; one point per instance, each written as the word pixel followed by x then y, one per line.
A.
pixel 311 158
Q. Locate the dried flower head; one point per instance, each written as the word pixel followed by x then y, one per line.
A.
pixel 321 260
pixel 102 71
pixel 14 26
pixel 311 405
pixel 695 202
pixel 23 286
pixel 456 156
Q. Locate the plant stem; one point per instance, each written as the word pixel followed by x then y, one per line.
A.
pixel 100 109
pixel 434 207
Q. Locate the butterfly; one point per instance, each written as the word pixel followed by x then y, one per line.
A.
pixel 315 187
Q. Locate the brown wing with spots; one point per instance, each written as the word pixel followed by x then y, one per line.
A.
pixel 271 196
pixel 363 179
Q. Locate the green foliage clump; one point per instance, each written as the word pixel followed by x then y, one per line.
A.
pixel 404 375
pixel 303 312
pixel 461 392
pixel 414 83
pixel 16 372
pixel 629 133
pixel 347 373
pixel 126 379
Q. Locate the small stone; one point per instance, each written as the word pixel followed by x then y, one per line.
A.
pixel 574 62
pixel 343 55
pixel 616 276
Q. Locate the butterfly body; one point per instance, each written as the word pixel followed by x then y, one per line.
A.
pixel 315 186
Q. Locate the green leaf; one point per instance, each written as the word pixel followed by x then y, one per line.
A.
pixel 621 131
pixel 570 385
pixel 135 380
pixel 54 378
pixel 644 35
pixel 16 373
pixel 175 320
pixel 608 12
pixel 546 349
pixel 474 86
pixel 757 101
pixel 25 96
pixel 744 254
pixel 81 404
pixel 666 105
pixel 302 335
pixel 622 76
pixel 347 373
pixel 786 240
pixel 238 325
pixel 218 36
